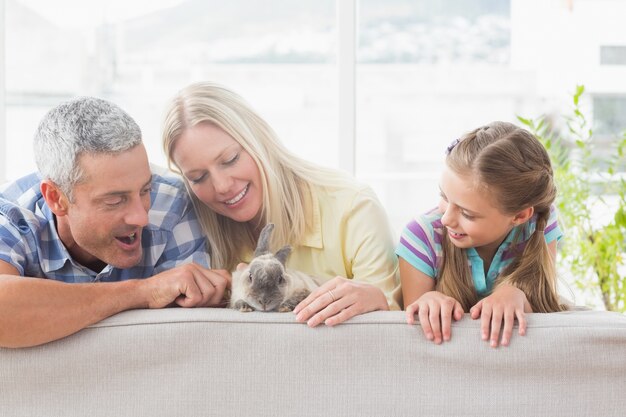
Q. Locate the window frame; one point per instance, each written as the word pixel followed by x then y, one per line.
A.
pixel 346 68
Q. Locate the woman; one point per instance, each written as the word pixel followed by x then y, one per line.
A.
pixel 241 178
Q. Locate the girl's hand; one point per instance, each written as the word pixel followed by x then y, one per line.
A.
pixel 505 303
pixel 435 311
pixel 338 300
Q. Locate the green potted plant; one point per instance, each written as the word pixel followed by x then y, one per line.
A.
pixel 591 203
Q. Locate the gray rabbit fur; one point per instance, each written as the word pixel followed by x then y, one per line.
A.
pixel 265 284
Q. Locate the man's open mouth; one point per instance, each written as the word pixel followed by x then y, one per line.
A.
pixel 128 240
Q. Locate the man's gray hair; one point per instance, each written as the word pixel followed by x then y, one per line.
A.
pixel 85 125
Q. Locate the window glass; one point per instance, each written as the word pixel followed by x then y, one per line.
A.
pixel 278 54
pixel 430 71
pixel 609 114
pixel 613 55
pixel 427 72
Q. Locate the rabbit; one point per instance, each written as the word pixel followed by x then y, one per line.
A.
pixel 265 284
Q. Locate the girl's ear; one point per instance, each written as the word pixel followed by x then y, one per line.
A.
pixel 523 216
pixel 55 198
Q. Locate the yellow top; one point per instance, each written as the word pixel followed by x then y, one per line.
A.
pixel 349 237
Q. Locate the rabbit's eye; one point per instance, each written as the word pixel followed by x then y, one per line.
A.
pixel 281 279
pixel 250 277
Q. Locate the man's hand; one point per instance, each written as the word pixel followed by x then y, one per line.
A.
pixel 188 285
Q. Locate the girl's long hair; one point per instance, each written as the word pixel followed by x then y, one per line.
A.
pixel 512 166
pixel 286 178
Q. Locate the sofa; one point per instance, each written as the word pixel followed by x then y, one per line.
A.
pixel 220 362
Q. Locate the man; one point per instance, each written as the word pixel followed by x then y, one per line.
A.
pixel 89 225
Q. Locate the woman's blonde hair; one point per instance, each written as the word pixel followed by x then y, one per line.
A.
pixel 511 166
pixel 286 178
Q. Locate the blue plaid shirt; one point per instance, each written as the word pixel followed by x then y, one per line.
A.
pixel 29 239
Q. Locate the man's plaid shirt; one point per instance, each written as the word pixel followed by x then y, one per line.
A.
pixel 29 239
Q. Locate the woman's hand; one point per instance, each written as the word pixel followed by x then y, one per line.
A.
pixel 435 311
pixel 338 300
pixel 505 303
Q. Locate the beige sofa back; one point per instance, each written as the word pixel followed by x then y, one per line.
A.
pixel 216 362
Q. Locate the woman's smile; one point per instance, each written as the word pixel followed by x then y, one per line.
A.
pixel 233 201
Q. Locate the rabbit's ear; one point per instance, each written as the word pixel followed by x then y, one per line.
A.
pixel 283 254
pixel 263 246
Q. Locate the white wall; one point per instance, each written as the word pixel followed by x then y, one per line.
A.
pixel 3 153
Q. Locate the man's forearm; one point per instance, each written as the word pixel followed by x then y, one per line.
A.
pixel 35 311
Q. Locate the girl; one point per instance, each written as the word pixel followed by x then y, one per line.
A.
pixel 241 178
pixel 490 246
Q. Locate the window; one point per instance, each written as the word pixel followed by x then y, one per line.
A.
pixel 426 72
pixel 138 54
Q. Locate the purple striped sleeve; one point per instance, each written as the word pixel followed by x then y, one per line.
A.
pixel 417 253
pixel 417 230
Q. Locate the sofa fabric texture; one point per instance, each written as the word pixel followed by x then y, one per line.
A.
pixel 220 362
